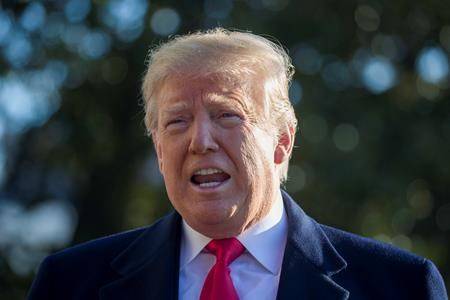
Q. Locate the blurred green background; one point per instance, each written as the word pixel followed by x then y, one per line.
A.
pixel 371 90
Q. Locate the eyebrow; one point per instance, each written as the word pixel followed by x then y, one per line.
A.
pixel 175 108
pixel 226 99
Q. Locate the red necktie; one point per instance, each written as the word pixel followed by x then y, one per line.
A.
pixel 218 284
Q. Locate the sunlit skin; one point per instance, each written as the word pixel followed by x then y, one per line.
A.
pixel 206 123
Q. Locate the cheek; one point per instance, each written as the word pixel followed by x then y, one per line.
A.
pixel 249 157
pixel 262 160
pixel 255 153
pixel 170 159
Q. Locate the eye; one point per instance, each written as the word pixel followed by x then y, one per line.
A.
pixel 227 115
pixel 229 119
pixel 177 121
pixel 174 121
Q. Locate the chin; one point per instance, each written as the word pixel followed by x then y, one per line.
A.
pixel 212 216
pixel 215 216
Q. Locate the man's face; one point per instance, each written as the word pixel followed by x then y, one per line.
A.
pixel 217 161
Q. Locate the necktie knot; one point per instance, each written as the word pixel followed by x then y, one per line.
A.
pixel 226 250
pixel 218 283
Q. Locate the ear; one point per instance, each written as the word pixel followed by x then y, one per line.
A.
pixel 283 149
pixel 157 150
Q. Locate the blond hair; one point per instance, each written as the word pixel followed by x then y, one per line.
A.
pixel 232 55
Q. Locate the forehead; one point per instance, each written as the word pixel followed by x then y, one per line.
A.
pixel 182 91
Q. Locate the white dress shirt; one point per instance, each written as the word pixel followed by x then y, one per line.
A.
pixel 255 274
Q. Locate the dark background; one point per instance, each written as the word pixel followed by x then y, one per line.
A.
pixel 371 91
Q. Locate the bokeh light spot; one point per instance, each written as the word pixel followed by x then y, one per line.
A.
pixel 307 59
pixel 16 100
pixel 49 224
pixel 165 21
pixel 346 137
pixel 18 50
pixel 422 203
pixel 420 198
pixel 336 75
pixel 56 72
pixel 295 92
pixel 53 30
pixel 5 26
pixel 389 46
pixel 29 234
pixel 125 17
pixel 379 75
pixel 367 18
pixel 383 238
pixel 95 44
pixel 73 35
pixel 218 9
pixel 33 17
pixel 432 65
pixel 402 241
pixel 27 100
pixel 77 10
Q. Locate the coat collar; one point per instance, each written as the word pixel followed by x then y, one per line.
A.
pixel 309 259
pixel 149 266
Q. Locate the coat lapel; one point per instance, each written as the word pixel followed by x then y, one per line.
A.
pixel 310 260
pixel 149 266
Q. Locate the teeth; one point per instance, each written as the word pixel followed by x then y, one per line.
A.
pixel 208 171
pixel 209 184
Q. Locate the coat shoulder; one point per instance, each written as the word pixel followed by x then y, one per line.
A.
pixel 83 269
pixel 354 246
pixel 386 271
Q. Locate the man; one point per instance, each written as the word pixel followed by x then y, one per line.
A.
pixel 218 110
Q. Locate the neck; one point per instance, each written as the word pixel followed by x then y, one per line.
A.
pixel 247 219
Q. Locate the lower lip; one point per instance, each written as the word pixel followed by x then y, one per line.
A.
pixel 213 188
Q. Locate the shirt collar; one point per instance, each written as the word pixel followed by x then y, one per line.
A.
pixel 192 243
pixel 265 240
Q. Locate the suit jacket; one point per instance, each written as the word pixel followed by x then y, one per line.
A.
pixel 320 262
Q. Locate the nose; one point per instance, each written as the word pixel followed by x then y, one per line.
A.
pixel 203 137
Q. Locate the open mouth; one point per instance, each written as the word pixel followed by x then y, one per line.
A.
pixel 207 178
